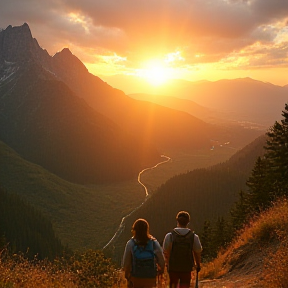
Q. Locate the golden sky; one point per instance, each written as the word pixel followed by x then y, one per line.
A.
pixel 162 39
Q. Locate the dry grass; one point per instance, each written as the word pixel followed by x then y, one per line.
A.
pixel 17 271
pixel 90 269
pixel 260 250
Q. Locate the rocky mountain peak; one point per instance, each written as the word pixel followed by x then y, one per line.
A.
pixel 18 45
pixel 66 58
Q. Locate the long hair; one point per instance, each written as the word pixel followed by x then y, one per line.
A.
pixel 140 230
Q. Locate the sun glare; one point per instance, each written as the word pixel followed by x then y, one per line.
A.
pixel 155 73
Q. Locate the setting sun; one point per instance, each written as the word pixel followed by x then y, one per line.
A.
pixel 155 72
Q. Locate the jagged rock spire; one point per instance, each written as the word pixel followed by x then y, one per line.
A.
pixel 18 45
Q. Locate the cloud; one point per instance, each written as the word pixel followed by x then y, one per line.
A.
pixel 213 29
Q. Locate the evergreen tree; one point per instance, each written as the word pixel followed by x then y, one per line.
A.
pixel 220 233
pixel 277 156
pixel 239 212
pixel 259 190
pixel 207 242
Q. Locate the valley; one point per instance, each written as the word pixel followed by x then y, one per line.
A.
pixel 159 174
pixel 80 213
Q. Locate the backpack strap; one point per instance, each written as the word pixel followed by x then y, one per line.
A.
pixel 144 247
pixel 174 232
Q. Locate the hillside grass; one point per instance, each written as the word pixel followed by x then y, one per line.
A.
pixel 260 251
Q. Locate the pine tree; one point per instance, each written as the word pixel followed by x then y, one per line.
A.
pixel 259 190
pixel 220 233
pixel 239 213
pixel 277 156
pixel 207 241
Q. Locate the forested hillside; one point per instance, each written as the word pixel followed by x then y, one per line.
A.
pixel 75 211
pixel 25 229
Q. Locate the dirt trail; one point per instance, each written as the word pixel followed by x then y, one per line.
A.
pixel 241 283
pixel 236 280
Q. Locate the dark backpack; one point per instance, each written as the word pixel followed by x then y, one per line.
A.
pixel 143 260
pixel 181 255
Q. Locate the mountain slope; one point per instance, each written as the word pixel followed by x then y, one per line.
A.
pixel 44 121
pixel 25 229
pixel 257 257
pixel 76 211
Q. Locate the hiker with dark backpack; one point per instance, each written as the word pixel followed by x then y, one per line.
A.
pixel 182 251
pixel 143 257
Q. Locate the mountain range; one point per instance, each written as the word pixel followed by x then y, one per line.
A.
pixel 58 115
pixel 220 101
pixel 62 127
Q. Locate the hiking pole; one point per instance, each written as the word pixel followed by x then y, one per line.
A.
pixel 196 281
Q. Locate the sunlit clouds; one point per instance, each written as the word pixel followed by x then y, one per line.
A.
pixel 163 39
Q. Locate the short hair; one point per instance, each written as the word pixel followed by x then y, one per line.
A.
pixel 183 218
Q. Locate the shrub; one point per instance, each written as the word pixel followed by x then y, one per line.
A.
pixel 89 269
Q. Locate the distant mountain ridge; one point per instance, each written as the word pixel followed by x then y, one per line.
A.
pixel 237 100
pixel 242 99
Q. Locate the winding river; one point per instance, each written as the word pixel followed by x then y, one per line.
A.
pixel 122 224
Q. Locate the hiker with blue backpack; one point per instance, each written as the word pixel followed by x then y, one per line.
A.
pixel 143 257
pixel 182 250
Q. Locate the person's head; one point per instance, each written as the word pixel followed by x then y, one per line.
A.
pixel 140 230
pixel 183 218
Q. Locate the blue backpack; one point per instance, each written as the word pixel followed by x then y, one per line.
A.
pixel 143 260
